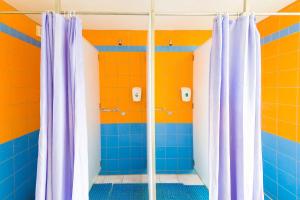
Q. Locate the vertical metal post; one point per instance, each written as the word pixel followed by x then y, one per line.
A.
pixel 58 6
pixel 245 6
pixel 151 106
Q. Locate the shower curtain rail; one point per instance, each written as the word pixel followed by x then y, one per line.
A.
pixel 166 14
pixel 207 14
pixel 78 12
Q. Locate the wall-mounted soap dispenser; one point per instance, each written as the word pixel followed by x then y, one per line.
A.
pixel 136 94
pixel 186 94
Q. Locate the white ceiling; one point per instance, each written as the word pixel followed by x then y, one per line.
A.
pixel 140 22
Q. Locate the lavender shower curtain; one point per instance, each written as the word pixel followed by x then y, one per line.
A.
pixel 235 95
pixel 62 159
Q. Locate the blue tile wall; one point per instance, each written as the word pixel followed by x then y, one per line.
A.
pixel 123 148
pixel 18 163
pixel 144 48
pixel 174 148
pixel 281 165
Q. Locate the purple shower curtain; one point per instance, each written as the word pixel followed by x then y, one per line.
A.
pixel 62 160
pixel 235 95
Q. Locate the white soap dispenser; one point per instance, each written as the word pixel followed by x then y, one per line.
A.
pixel 136 94
pixel 186 94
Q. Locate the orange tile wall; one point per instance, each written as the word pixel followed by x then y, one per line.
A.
pixel 281 77
pixel 120 71
pixel 19 79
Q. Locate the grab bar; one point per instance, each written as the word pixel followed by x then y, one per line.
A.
pixel 113 110
pixel 161 109
pixel 110 109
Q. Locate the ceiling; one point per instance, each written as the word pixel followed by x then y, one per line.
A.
pixel 140 22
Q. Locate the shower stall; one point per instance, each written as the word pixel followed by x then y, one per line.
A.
pixel 146 74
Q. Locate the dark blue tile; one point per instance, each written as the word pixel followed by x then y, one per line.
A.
pixel 298 151
pixel 286 164
pixel 6 151
pixel 287 147
pixel 160 128
pixel 123 129
pixel 103 141
pixel 185 164
pixel 160 140
pixel 109 129
pixel 124 153
pixel 269 155
pixel 171 152
pixel 144 127
pixel 160 164
pixel 22 175
pixel 6 169
pixel 6 187
pixel 104 165
pixel 171 164
pixel 32 167
pixel 136 152
pixel 138 164
pixel 184 128
pixel 287 181
pixel 269 140
pixel 269 170
pixel 270 187
pixel 136 140
pixel 21 144
pixel 185 152
pixel 112 153
pixel 33 138
pixel 103 153
pixel 112 141
pixel 143 140
pixel 124 140
pixel 283 194
pixel 170 129
pixel 160 152
pixel 113 165
pixel 21 160
pixel 124 165
pixel 184 140
pixel 298 180
pixel 25 191
pixel 137 128
pixel 171 140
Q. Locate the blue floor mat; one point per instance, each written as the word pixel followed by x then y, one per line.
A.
pixel 140 192
pixel 181 192
pixel 129 192
pixel 100 191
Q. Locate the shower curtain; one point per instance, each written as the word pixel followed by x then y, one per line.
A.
pixel 62 159
pixel 235 95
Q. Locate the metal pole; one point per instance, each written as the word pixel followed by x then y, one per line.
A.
pixel 171 14
pixel 245 6
pixel 151 106
pixel 57 6
pixel 79 12
pixel 211 14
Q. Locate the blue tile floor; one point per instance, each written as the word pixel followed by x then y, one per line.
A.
pixel 137 191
